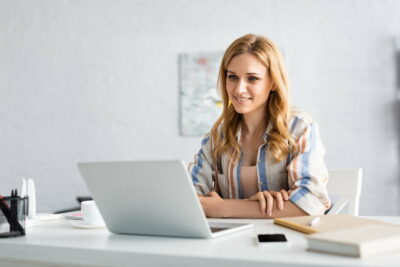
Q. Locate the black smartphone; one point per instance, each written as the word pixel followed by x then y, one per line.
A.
pixel 267 238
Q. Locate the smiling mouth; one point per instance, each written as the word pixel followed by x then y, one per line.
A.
pixel 242 99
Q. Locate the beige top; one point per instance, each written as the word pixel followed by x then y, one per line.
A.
pixel 249 180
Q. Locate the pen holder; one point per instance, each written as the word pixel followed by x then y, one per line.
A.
pixel 12 216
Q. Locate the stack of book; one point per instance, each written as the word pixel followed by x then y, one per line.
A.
pixel 346 235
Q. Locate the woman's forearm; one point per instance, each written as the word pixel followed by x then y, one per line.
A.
pixel 238 208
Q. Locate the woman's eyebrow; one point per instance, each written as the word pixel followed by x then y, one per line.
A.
pixel 248 73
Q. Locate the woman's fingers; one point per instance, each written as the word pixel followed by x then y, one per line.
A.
pixel 279 199
pixel 263 202
pixel 260 198
pixel 285 194
pixel 266 199
pixel 270 202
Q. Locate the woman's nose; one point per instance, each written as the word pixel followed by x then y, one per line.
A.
pixel 241 87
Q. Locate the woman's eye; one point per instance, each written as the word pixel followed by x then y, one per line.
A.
pixel 232 77
pixel 252 78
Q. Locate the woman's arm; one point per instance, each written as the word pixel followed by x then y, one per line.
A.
pixel 307 173
pixel 216 207
pixel 237 208
pixel 201 168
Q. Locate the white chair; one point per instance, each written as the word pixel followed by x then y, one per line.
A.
pixel 345 185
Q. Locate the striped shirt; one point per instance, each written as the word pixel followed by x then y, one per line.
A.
pixel 304 172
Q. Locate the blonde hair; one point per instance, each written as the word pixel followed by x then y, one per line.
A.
pixel 224 130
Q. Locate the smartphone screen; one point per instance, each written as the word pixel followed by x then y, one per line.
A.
pixel 271 238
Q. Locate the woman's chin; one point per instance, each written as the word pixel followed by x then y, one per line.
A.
pixel 241 110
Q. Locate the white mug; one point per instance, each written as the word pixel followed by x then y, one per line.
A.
pixel 91 214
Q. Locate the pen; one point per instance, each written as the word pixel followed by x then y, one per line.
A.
pixel 314 221
pixel 12 208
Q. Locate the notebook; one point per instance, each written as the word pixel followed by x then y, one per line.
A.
pixel 150 198
pixel 327 223
pixel 363 241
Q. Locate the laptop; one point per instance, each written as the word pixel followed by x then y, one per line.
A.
pixel 150 198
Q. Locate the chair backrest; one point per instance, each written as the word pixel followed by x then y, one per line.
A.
pixel 345 184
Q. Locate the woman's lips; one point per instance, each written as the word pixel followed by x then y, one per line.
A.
pixel 242 100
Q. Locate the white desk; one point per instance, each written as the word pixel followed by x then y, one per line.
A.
pixel 59 243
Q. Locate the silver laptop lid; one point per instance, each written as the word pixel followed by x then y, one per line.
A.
pixel 146 198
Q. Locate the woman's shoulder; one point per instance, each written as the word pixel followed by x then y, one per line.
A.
pixel 297 114
pixel 207 138
pixel 299 121
pixel 210 133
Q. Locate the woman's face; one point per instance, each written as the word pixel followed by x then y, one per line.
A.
pixel 247 84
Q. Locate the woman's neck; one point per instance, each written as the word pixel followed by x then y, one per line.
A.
pixel 255 122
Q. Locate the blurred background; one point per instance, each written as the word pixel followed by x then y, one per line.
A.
pixel 99 80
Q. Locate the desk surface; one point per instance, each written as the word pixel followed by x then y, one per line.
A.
pixel 58 242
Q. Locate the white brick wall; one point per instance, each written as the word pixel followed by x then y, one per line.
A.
pixel 98 80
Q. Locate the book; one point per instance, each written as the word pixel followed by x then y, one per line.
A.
pixel 327 223
pixel 364 241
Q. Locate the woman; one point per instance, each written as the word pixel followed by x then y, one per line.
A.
pixel 261 159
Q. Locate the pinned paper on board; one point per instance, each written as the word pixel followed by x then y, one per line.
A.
pixel 200 102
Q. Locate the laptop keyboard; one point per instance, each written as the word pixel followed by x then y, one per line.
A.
pixel 217 229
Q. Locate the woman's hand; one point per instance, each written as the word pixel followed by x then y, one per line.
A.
pixel 266 199
pixel 212 205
